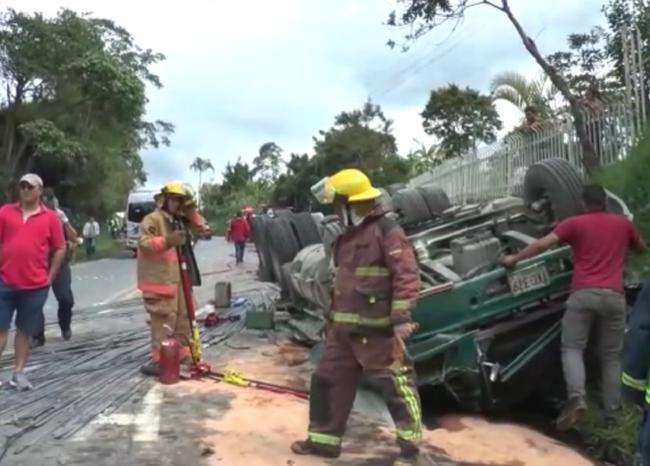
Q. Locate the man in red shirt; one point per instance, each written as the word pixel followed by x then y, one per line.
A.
pixel 239 232
pixel 599 242
pixel 29 232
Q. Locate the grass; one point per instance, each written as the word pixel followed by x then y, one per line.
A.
pixel 106 247
pixel 615 441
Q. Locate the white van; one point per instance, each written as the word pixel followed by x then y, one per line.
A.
pixel 139 204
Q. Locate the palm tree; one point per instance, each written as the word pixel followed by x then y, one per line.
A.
pixel 515 88
pixel 201 165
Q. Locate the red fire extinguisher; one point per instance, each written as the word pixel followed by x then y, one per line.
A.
pixel 170 360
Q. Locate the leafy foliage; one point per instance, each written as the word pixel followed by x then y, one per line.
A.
pixel 586 61
pixel 267 164
pixel 460 118
pixel 74 105
pixel 521 92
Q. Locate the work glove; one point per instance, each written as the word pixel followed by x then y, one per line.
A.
pixel 405 330
pixel 175 238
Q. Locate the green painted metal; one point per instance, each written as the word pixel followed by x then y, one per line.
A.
pixel 531 351
pixel 469 304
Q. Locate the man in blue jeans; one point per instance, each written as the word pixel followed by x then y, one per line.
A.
pixel 29 233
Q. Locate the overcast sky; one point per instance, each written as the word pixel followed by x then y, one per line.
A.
pixel 239 74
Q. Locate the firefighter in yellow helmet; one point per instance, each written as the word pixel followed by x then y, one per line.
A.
pixel 376 285
pixel 158 269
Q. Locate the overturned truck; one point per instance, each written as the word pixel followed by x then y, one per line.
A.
pixel 487 335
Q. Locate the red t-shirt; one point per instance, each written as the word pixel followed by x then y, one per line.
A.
pixel 599 242
pixel 25 246
pixel 239 230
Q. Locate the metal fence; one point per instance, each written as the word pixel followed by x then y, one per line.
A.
pixel 499 170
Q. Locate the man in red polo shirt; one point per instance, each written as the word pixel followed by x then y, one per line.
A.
pixel 239 232
pixel 29 232
pixel 599 242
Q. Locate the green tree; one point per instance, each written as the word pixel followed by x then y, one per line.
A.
pixel 74 105
pixel 460 118
pixel 521 92
pixel 422 16
pixel 201 165
pixel 363 139
pixel 267 163
pixel 586 62
pixel 236 176
pixel 622 14
pixel 425 159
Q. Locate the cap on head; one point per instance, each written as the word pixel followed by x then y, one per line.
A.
pixel 32 179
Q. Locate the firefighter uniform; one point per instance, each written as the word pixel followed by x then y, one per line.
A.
pixel 376 286
pixel 159 277
pixel 636 365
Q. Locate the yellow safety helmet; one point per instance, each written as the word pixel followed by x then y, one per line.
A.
pixel 350 183
pixel 175 188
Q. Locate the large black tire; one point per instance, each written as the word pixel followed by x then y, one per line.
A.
pixel 259 230
pixel 557 181
pixel 393 188
pixel 283 246
pixel 410 205
pixel 305 228
pixel 435 198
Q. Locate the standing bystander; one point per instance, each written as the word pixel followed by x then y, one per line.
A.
pixel 62 284
pixel 91 233
pixel 239 233
pixel 29 232
pixel 599 242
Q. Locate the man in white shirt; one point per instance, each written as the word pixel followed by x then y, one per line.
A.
pixel 91 232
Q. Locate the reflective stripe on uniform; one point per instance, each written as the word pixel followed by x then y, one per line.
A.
pixel 413 406
pixel 372 271
pixel 325 439
pixel 356 319
pixel 401 304
pixel 633 383
pixel 157 289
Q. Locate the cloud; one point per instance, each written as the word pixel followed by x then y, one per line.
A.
pixel 239 74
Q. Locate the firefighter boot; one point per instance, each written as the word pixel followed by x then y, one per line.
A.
pixel 305 447
pixel 151 369
pixel 409 454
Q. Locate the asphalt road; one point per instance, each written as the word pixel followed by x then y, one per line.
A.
pixel 98 284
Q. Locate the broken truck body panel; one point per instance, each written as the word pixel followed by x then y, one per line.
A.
pixel 486 334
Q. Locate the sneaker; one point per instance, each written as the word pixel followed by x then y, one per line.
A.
pixel 572 414
pixel 20 382
pixel 151 369
pixel 66 334
pixel 305 447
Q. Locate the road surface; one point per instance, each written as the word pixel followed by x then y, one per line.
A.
pixel 92 407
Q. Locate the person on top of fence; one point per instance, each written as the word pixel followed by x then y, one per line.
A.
pixel 532 122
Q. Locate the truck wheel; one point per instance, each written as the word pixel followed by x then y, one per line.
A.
pixel 411 206
pixel 435 198
pixel 259 227
pixel 305 229
pixel 558 182
pixel 393 188
pixel 283 246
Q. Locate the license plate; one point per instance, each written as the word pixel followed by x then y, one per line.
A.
pixel 528 279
